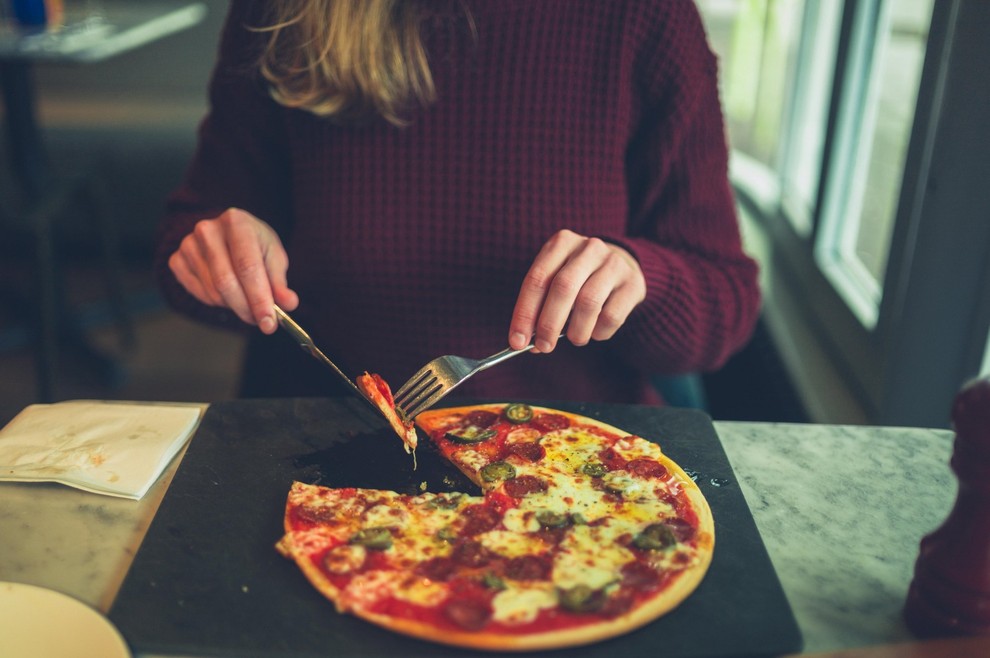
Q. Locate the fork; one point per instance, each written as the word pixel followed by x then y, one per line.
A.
pixel 441 376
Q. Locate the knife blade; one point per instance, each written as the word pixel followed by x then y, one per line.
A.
pixel 307 345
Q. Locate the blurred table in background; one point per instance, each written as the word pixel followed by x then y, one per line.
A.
pixel 90 31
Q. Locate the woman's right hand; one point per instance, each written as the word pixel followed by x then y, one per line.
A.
pixel 236 261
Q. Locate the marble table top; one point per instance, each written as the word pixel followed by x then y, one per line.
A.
pixel 841 510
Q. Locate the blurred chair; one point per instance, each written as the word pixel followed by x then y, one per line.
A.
pixel 686 391
pixel 53 325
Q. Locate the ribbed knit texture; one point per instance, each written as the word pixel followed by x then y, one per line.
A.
pixel 601 116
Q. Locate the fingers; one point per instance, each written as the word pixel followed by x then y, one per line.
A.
pixel 186 273
pixel 535 289
pixel 236 261
pixel 277 264
pixel 582 283
pixel 614 287
pixel 246 286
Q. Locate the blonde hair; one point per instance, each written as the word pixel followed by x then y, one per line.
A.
pixel 346 59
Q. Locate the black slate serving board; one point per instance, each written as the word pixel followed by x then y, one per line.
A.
pixel 207 580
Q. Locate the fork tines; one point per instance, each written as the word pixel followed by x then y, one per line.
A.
pixel 418 393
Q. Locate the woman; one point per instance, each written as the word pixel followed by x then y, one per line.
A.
pixel 417 178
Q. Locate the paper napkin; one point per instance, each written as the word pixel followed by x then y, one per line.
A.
pixel 117 449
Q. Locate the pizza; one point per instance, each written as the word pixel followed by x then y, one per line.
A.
pixel 378 392
pixel 581 532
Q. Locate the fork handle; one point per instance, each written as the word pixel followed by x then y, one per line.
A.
pixel 506 354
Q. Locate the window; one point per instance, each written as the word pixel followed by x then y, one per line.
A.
pixel 875 122
pixel 855 128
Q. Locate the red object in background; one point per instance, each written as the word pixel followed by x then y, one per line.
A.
pixel 37 13
pixel 950 593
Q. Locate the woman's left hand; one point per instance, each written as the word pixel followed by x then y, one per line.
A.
pixel 587 284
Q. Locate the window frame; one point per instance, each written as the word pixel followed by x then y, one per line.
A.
pixel 925 343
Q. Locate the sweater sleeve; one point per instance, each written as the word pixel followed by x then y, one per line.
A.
pixel 240 160
pixel 703 294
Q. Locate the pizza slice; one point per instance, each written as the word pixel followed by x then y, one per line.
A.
pixel 378 392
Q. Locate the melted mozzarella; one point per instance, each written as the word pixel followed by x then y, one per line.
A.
pixel 512 544
pixel 627 485
pixel 588 556
pixel 367 588
pixel 318 538
pixel 630 448
pixel 420 541
pixel 345 558
pixel 571 449
pixel 681 557
pixel 570 494
pixel 410 549
pixel 471 458
pixel 422 591
pixel 385 516
pixel 338 508
pixel 520 519
pixel 519 605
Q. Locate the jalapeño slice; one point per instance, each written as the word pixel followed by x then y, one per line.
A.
pixel 376 538
pixel 518 413
pixel 470 434
pixel 497 471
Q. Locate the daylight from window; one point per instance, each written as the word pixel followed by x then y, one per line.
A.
pixel 779 78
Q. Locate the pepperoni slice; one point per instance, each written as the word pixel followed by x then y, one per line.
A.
pixel 683 530
pixel 482 418
pixel 551 422
pixel 552 535
pixel 438 569
pixel 470 553
pixel 612 460
pixel 524 484
pixel 528 567
pixel 469 614
pixel 532 452
pixel 647 468
pixel 324 515
pixel 500 502
pixel 618 604
pixel 480 518
pixel 640 576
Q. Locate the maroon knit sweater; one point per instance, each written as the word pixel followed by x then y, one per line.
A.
pixel 601 116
